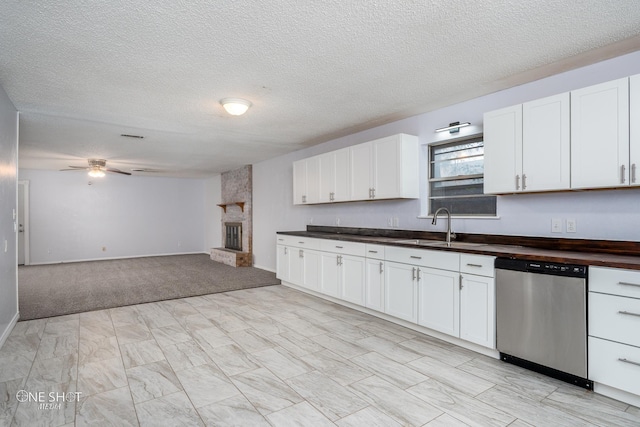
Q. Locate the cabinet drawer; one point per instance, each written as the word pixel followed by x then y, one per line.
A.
pixel 283 239
pixel 298 242
pixel 615 281
pixel 340 247
pixel 480 265
pixel 614 318
pixel 615 365
pixel 425 258
pixel 375 251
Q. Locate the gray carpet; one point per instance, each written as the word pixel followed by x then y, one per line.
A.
pixel 58 289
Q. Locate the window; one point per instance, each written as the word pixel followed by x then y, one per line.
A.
pixel 456 178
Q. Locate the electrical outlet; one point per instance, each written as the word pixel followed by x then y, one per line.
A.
pixel 556 225
pixel 6 245
pixel 337 221
pixel 571 225
pixel 390 222
pixel 310 221
pixel 396 222
pixel 104 249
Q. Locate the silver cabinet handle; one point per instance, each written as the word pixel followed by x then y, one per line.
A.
pixel 337 259
pixel 280 240
pixel 285 250
pixel 370 193
pixel 629 313
pixel 517 182
pixel 304 199
pixel 415 257
pixel 340 259
pixel 418 274
pixel 301 253
pixel 633 173
pixel 373 252
pixel 373 193
pixel 302 243
pixel 381 270
pixel 414 273
pixel 460 282
pixel 629 284
pixel 524 181
pixel 474 265
pixel 621 359
pixel 331 197
pixel 622 177
pixel 339 247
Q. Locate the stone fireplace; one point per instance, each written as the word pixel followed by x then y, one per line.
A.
pixel 236 220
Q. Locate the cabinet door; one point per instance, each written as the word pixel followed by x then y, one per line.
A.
pixel 282 260
pixel 401 291
pixel 352 279
pixel 313 179
pixel 439 300
pixel 374 292
pixel 330 267
pixel 386 168
pixel 477 310
pixel 546 144
pixel 299 182
pixel 311 269
pixel 600 135
pixel 360 171
pixel 634 137
pixel 503 150
pixel 327 177
pixel 296 266
pixel 341 188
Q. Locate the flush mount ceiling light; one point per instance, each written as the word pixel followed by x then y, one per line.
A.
pixel 235 106
pixel 453 127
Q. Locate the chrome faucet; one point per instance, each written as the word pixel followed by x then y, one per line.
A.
pixel 450 234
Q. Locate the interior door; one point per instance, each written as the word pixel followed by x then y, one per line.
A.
pixel 22 222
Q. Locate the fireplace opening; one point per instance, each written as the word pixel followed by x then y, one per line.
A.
pixel 233 236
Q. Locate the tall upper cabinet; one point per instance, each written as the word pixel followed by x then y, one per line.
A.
pixel 600 135
pixel 527 147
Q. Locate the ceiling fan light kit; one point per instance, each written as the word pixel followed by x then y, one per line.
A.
pixel 97 168
pixel 235 106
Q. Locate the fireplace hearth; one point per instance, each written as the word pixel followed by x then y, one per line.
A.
pixel 233 236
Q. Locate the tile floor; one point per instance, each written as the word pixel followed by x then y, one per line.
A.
pixel 269 356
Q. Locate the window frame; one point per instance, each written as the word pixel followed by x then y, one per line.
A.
pixel 427 177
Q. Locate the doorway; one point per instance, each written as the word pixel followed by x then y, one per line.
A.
pixel 23 222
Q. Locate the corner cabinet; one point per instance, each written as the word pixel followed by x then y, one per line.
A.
pixel 387 168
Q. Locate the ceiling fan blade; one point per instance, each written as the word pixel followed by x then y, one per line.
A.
pixel 118 171
pixel 74 169
pixel 78 167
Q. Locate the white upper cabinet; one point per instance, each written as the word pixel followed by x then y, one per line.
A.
pixel 546 144
pixel 503 150
pixel 386 168
pixel 306 181
pixel 600 135
pixel 527 147
pixel 334 176
pixel 634 136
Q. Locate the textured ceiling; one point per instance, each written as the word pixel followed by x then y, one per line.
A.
pixel 83 72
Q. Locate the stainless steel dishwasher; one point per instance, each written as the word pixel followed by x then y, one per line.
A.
pixel 541 317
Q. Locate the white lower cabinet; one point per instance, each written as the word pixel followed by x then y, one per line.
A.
pixel 614 322
pixel 444 291
pixel 439 300
pixel 477 310
pixel 401 291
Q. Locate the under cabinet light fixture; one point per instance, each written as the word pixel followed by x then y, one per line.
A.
pixel 453 127
pixel 235 106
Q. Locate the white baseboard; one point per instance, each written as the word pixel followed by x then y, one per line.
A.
pixel 614 393
pixel 9 328
pixel 271 270
pixel 116 257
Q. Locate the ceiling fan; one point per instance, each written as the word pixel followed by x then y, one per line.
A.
pixel 96 168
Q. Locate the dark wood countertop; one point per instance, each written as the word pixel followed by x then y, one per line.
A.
pixel 615 254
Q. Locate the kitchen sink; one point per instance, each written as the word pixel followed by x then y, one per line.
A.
pixel 440 243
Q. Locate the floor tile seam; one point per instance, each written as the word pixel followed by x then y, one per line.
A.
pixel 572 412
